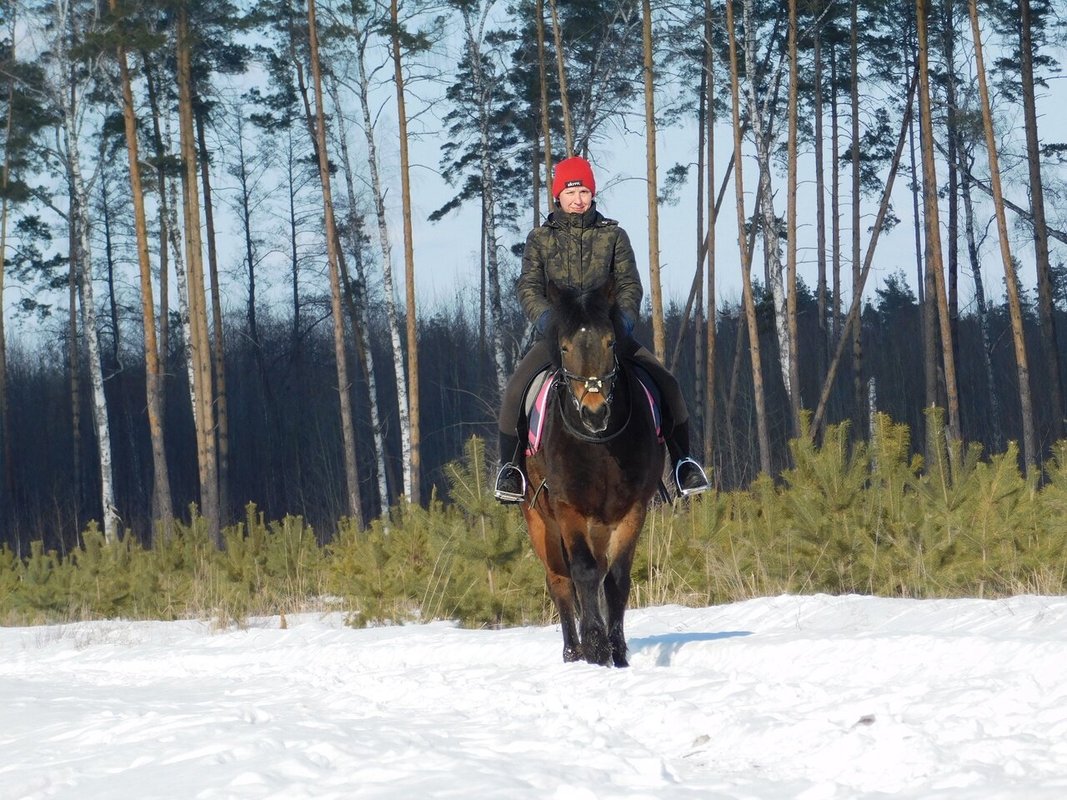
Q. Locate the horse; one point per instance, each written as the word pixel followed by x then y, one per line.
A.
pixel 592 479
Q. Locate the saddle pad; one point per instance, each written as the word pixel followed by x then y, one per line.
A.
pixel 537 401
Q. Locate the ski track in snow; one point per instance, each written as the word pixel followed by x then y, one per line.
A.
pixel 816 697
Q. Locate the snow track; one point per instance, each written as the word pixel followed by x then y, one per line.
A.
pixel 789 697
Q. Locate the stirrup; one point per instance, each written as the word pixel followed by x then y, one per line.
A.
pixel 682 491
pixel 505 496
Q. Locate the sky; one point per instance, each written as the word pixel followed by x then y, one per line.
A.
pixel 800 697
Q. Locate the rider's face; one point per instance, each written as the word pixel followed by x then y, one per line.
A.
pixel 575 199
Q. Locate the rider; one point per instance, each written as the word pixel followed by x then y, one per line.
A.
pixel 578 247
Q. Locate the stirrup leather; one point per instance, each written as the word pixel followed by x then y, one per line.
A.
pixel 682 491
pixel 510 497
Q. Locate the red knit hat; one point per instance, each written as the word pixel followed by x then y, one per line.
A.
pixel 574 171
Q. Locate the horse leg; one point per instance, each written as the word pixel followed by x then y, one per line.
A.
pixel 617 581
pixel 617 592
pixel 561 589
pixel 588 577
pixel 546 543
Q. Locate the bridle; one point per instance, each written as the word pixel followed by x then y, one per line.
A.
pixel 591 384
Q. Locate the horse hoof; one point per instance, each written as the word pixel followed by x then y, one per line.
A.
pixel 596 650
pixel 571 654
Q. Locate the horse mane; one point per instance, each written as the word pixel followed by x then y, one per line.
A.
pixel 572 308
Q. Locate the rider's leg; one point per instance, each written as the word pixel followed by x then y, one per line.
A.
pixel 511 480
pixel 688 473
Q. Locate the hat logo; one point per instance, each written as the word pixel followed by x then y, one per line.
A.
pixel 569 184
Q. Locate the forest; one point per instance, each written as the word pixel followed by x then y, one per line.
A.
pixel 208 256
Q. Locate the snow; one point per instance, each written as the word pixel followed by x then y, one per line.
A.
pixel 809 697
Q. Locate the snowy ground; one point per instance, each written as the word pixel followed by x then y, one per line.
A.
pixel 788 697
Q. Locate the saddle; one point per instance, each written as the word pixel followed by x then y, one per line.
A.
pixel 539 391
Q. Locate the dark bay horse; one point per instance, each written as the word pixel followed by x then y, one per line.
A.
pixel 593 477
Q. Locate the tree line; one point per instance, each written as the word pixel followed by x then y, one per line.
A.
pixel 296 377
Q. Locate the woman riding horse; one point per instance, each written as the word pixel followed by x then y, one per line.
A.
pixel 596 468
pixel 580 248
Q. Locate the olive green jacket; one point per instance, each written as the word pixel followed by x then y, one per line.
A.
pixel 578 251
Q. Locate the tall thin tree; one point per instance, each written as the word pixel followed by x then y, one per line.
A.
pixel 412 459
pixel 199 344
pixel 656 291
pixel 163 507
pixel 1046 306
pixel 355 505
pixel 935 263
pixel 756 363
pixel 1010 278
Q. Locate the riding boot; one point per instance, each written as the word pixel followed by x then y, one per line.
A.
pixel 510 480
pixel 688 474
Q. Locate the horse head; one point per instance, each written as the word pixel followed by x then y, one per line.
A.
pixel 584 327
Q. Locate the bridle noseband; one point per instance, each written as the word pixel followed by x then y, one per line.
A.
pixel 592 384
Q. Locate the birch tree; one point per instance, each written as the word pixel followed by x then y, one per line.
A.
pixel 412 459
pixel 761 113
pixel 361 32
pixel 67 93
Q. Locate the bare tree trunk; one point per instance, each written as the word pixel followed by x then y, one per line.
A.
pixel 162 505
pixel 218 352
pixel 1010 279
pixel 378 193
pixel 835 201
pixel 982 307
pixel 712 215
pixel 358 294
pixel 546 127
pixel 857 299
pixel 82 260
pixel 164 224
pixel 561 75
pixel 659 339
pixel 859 395
pixel 699 340
pixel 1046 303
pixel 762 123
pixel 355 504
pixel 923 278
pixel 7 475
pixel 77 481
pixel 933 228
pixel 791 224
pixel 474 34
pixel 746 269
pixel 820 206
pixel 948 42
pixel 412 458
pixel 81 265
pixel 199 345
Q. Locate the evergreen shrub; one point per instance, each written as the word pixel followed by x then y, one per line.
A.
pixel 847 517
